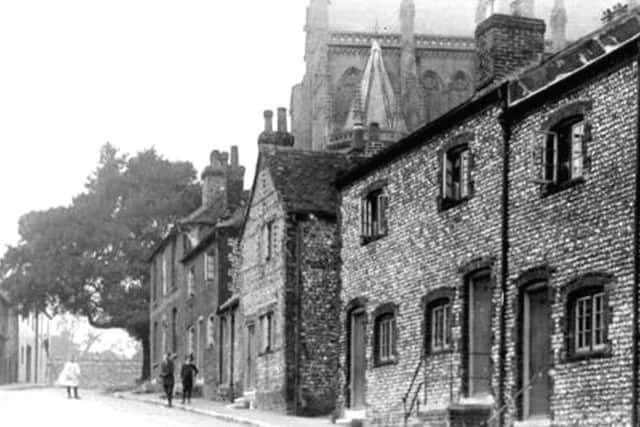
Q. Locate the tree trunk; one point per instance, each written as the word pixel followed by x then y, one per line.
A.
pixel 146 359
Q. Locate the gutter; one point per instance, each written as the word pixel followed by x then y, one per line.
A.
pixel 636 260
pixel 505 124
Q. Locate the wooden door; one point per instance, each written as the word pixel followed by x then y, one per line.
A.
pixel 479 335
pixel 537 354
pixel 357 363
pixel 251 358
pixel 28 365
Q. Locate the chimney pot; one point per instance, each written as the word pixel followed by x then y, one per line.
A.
pixel 234 155
pixel 374 132
pixel 268 121
pixel 282 119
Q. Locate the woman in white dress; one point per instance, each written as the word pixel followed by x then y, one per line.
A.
pixel 70 377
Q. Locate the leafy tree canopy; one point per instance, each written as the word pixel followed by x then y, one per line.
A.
pixel 89 258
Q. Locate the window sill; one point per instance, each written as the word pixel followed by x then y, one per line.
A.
pixel 382 363
pixel 601 353
pixel 267 352
pixel 365 240
pixel 439 352
pixel 553 188
pixel 446 204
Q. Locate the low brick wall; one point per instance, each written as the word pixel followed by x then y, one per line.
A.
pixel 101 373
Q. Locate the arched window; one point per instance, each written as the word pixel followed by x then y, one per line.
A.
pixel 384 334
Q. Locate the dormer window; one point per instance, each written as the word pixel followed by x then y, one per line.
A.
pixel 373 215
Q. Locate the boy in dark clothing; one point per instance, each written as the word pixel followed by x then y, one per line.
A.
pixel 187 373
pixel 166 375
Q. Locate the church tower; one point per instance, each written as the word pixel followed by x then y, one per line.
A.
pixel 558 25
pixel 310 102
pixel 409 89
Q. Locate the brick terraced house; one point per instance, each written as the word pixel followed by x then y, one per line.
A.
pixel 490 269
pixel 188 273
pixel 288 277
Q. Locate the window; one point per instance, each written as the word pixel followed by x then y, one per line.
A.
pixel 199 347
pixel 384 341
pixel 191 280
pixel 563 158
pixel 174 265
pixel 266 328
pixel 384 334
pixel 174 330
pixel 210 331
pixel 152 281
pixel 156 343
pixel 191 343
pixel 440 326
pixel 164 274
pixel 588 315
pixel 209 266
pixel 373 215
pixel 268 240
pixel 456 176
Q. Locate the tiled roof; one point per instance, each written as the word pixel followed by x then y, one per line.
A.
pixel 304 179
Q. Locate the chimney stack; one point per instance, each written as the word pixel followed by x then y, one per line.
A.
pixel 280 138
pixel 268 121
pixel 507 43
pixel 213 179
pixel 234 156
pixel 282 119
pixel 374 132
pixel 357 146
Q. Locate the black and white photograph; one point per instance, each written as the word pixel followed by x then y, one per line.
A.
pixel 309 213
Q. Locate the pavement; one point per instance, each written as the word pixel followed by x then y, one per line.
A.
pixel 37 407
pixel 222 411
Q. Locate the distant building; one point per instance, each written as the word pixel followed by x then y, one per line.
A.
pixel 419 55
pixel 8 342
pixel 33 347
pixel 188 274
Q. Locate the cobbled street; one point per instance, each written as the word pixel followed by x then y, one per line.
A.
pixel 50 407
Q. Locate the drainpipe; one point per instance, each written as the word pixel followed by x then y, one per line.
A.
pixel 298 264
pixel 505 124
pixel 636 261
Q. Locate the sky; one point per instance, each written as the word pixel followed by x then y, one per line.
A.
pixel 184 76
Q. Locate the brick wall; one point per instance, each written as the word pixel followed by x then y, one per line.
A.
pixel 425 250
pixel 583 229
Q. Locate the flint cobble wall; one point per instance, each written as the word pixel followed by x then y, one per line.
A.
pixel 426 249
pixel 583 229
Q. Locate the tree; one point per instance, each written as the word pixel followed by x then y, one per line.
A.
pixel 90 258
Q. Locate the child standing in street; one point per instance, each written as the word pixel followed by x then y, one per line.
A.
pixel 70 377
pixel 188 373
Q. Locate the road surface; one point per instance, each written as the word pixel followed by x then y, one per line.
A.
pixel 52 408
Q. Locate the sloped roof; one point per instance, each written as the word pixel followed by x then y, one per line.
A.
pixel 304 179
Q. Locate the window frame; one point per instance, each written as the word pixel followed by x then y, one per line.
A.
pixel 267 233
pixel 267 338
pixel 374 212
pixel 385 335
pixel 191 281
pixel 439 305
pixel 457 148
pixel 587 289
pixel 572 145
pixel 209 266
